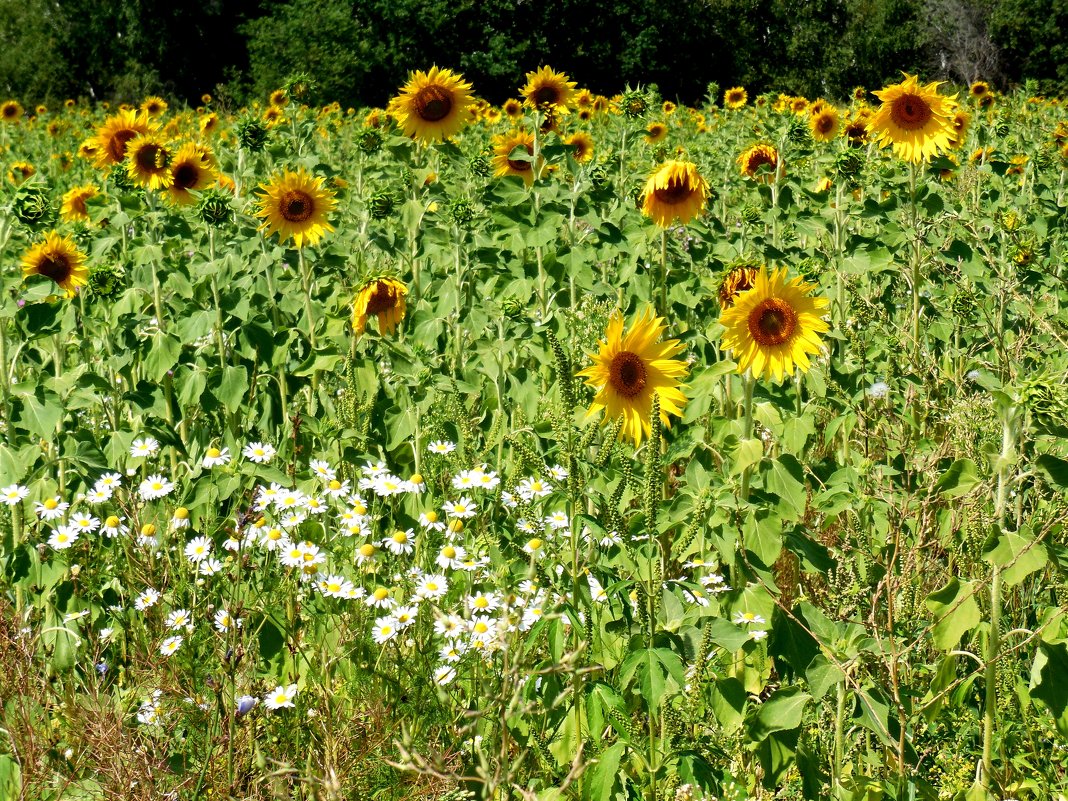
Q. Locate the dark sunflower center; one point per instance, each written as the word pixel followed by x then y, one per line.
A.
pixel 382 299
pixel 627 374
pixel 734 97
pixel 825 123
pixel 910 112
pixel 758 160
pixel 185 176
pixel 296 206
pixel 433 103
pixel 117 143
pixel 772 322
pixel 675 192
pixel 545 96
pixel 10 111
pixel 56 267
pixel 151 157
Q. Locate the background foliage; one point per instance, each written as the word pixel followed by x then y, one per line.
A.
pixel 358 53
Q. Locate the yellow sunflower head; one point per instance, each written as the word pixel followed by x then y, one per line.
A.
pixel 20 172
pixel 115 134
pixel 986 101
pixel 10 111
pixel 548 90
pixel 278 98
pixel 382 297
pixel 209 123
pixel 58 258
pixel 961 120
pixel 512 108
pixel 978 89
pixel 149 161
pixel 433 105
pixel 193 168
pixel 760 162
pixel 859 93
pixel 89 148
pixel 154 106
pixel 655 132
pixel 600 104
pixel 295 205
pixel 630 368
pixel 915 119
pixel 581 146
pixel 675 191
pixel 668 108
pixel 73 208
pixel 737 280
pixel 773 328
pixel 824 124
pixel 735 97
pixel 504 164
pixel 798 105
pixel 856 129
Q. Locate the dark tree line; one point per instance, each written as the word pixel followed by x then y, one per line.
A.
pixel 359 53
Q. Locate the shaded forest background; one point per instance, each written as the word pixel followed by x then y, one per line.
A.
pixel 359 53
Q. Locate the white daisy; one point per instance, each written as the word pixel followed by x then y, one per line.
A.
pixel 146 599
pixel 170 645
pixel 214 457
pixel 98 495
pixel 280 697
pixel 441 446
pixel 51 508
pixel 322 469
pixel 179 619
pixel 259 452
pixel 144 447
pixel 224 621
pixel 385 629
pixel 154 487
pixel 198 549
pixel 63 537
pixel 13 494
pixel 462 508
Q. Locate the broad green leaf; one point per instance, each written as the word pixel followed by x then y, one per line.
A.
pixel 1055 469
pixel 959 479
pixel 233 388
pixel 605 776
pixel 1049 681
pixel 785 479
pixel 162 355
pixel 746 454
pixel 955 612
pixel 728 703
pixel 1018 555
pixel 782 711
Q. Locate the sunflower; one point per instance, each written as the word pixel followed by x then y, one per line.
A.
pixel 655 132
pixel 630 368
pixel 512 108
pixel 58 258
pixel 668 108
pixel 585 114
pixel 675 191
pixel 859 93
pixel 772 328
pixel 961 120
pixel 915 119
pixel 549 91
pixel 20 172
pixel 799 105
pixel 375 118
pixel 986 101
pixel 818 105
pixel 600 104
pixel 856 129
pixel 492 116
pixel 978 89
pixel 274 115
pixel 149 162
pixel 581 146
pixel 10 111
pixel 73 208
pixel 382 297
pixel 735 98
pixel 824 124
pixel 504 164
pixel 193 168
pixel 89 149
pixel 278 98
pixel 209 123
pixel 205 98
pixel 116 132
pixel 154 106
pixel 737 280
pixel 756 157
pixel 433 105
pixel 295 205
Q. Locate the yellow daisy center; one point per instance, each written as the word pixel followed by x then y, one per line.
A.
pixel 772 322
pixel 627 374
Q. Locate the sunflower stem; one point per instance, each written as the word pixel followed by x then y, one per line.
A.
pixel 748 383
pixel 914 273
pixel 663 273
pixel 306 280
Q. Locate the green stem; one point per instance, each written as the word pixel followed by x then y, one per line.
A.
pixel 306 280
pixel 663 274
pixel 914 266
pixel 839 737
pixel 749 383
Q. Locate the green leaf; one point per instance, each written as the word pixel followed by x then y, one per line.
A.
pixel 955 611
pixel 745 454
pixel 959 479
pixel 651 668
pixel 728 703
pixel 1019 556
pixel 781 712
pixel 1054 469
pixel 41 410
pixel 786 479
pixel 1049 681
pixel 232 388
pixel 606 775
pixel 162 356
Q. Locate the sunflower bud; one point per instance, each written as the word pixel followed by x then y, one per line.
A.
pixel 107 281
pixel 598 175
pixel 461 211
pixel 120 178
pixel 751 215
pixel 712 92
pixel 252 134
pixel 31 205
pixel 381 204
pixel 798 131
pixel 481 165
pixel 369 140
pixel 214 207
pixel 1010 222
pixel 849 164
pixel 634 104
pixel 513 307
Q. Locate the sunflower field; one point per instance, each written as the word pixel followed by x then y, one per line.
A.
pixel 583 447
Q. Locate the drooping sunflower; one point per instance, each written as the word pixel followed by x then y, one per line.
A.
pixel 630 368
pixel 115 134
pixel 154 106
pixel 10 111
pixel 382 297
pixel 149 161
pixel 58 258
pixel 20 172
pixel 581 146
pixel 915 119
pixel 735 97
pixel 295 205
pixel 759 156
pixel 961 120
pixel 548 90
pixel 675 191
pixel 73 208
pixel 856 128
pixel 193 169
pixel 772 328
pixel 986 101
pixel 433 105
pixel 824 124
pixel 655 132
pixel 737 280
pixel 504 164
